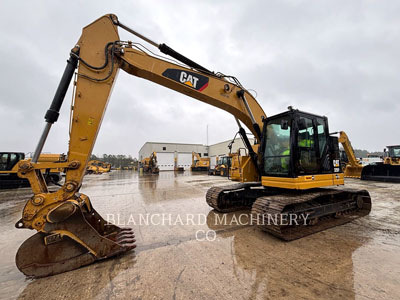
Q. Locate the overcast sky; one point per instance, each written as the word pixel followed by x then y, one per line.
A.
pixel 335 58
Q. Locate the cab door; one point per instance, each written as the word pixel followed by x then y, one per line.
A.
pixel 306 142
pixel 311 141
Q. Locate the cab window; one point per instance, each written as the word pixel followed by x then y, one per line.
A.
pixel 277 147
pixel 306 146
pixel 322 140
pixel 3 161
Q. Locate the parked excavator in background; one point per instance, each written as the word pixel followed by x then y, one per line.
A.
pixel 9 169
pixel 98 167
pixel 149 164
pixel 388 170
pixel 296 163
pixel 353 167
pixel 200 163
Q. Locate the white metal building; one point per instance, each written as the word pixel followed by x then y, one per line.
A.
pixel 167 153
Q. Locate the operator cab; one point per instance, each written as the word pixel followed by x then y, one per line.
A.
pixel 225 160
pixel 8 170
pixel 297 143
pixel 394 151
pixel 9 159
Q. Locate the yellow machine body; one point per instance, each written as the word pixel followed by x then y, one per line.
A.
pixel 70 233
pixel 353 168
pixel 149 164
pixel 200 163
pixel 242 168
pixel 98 167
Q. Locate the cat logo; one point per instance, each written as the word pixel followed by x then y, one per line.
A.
pixel 193 80
pixel 188 79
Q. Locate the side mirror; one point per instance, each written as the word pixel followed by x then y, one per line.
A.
pixel 284 124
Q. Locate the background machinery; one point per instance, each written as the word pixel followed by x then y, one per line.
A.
pixel 149 164
pixel 222 167
pixel 353 167
pixel 296 162
pixel 200 163
pixel 9 169
pixel 388 170
pixel 98 167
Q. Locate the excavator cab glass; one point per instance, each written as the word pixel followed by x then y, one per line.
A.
pixel 225 160
pixel 277 147
pixel 394 151
pixel 296 143
pixel 9 160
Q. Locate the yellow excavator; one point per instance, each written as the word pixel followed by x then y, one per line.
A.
pixel 9 169
pixel 200 163
pixel 296 162
pixel 98 167
pixel 353 168
pixel 386 171
pixel 149 164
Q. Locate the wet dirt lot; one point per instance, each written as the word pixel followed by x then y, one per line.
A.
pixel 174 260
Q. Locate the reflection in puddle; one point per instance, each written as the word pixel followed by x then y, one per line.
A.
pixel 319 266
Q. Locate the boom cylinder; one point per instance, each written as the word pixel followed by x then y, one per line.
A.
pixel 54 111
pixel 256 127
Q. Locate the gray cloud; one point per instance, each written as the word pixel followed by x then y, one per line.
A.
pixel 338 59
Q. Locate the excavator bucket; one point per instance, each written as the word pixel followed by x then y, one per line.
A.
pixel 353 171
pixel 381 172
pixel 79 239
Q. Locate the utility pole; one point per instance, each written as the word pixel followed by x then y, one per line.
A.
pixel 207 135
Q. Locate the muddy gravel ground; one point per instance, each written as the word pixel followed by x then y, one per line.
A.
pixel 174 260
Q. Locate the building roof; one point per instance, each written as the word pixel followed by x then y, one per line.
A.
pixel 155 143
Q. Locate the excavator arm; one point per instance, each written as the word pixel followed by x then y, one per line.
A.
pixel 353 168
pixel 70 232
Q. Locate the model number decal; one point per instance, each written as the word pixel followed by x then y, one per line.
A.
pixel 193 80
pixel 336 163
